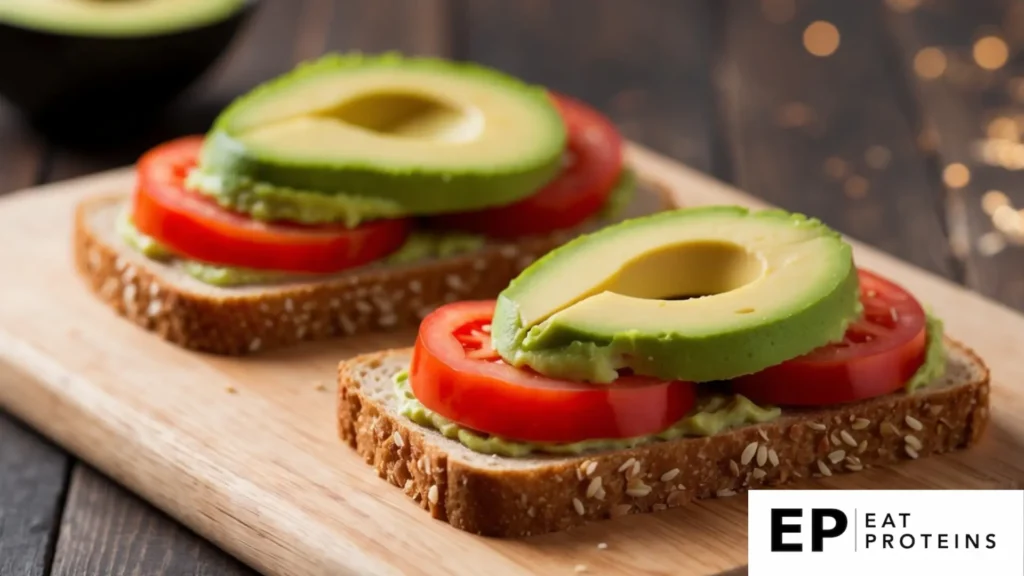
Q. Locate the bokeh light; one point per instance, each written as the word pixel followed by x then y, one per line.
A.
pixel 991 52
pixel 956 175
pixel 930 63
pixel 821 38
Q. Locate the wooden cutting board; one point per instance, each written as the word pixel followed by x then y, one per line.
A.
pixel 244 451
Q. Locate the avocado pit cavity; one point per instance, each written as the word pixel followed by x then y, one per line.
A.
pixel 410 115
pixel 686 271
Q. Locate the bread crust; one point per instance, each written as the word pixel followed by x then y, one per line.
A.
pixel 558 493
pixel 233 322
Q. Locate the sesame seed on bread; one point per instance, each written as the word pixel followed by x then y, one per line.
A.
pixel 513 497
pixel 162 298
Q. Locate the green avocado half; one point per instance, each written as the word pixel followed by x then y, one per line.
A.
pixel 115 18
pixel 393 135
pixel 700 294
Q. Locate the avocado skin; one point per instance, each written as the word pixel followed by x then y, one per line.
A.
pixel 567 352
pixel 92 90
pixel 419 192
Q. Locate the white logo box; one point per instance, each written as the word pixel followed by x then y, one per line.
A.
pixel 906 532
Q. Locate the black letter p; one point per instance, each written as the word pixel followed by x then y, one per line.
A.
pixel 818 532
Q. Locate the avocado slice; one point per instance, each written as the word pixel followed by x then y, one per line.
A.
pixel 121 18
pixel 417 135
pixel 701 294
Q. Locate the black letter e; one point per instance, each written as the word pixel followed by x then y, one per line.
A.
pixel 779 528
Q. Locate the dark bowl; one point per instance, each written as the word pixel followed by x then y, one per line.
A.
pixel 89 89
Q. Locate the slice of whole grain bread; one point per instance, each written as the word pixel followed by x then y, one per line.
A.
pixel 162 298
pixel 511 497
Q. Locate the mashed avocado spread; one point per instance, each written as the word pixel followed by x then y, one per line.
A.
pixel 934 357
pixel 267 202
pixel 264 201
pixel 714 414
pixel 620 196
pixel 421 245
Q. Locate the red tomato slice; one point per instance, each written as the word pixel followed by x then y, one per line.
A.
pixel 197 227
pixel 878 355
pixel 594 162
pixel 455 373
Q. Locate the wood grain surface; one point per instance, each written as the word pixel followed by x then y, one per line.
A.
pixel 957 113
pixel 842 148
pixel 100 516
pixel 33 472
pixel 31 494
pixel 261 473
pixel 126 535
pixel 649 70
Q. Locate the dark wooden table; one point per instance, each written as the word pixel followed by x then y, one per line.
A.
pixel 906 136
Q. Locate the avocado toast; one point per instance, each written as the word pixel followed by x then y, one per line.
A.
pixel 353 193
pixel 690 354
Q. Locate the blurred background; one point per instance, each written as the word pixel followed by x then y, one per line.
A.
pixel 898 122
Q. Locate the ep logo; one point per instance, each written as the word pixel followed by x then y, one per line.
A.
pixel 789 526
pixel 858 532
